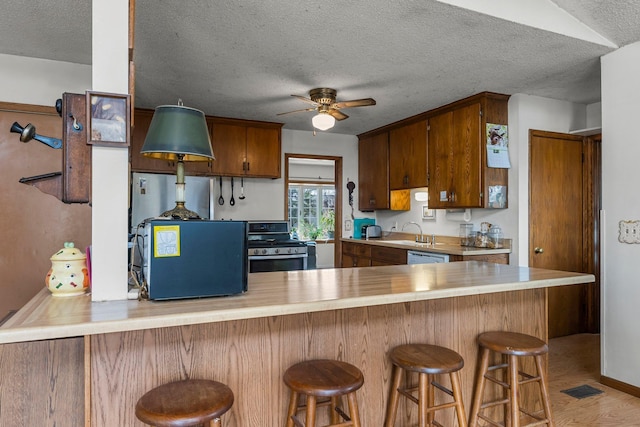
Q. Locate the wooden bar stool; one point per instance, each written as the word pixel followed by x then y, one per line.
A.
pixel 427 360
pixel 512 346
pixel 323 378
pixel 185 403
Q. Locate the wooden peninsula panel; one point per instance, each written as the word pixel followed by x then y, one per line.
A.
pixel 251 355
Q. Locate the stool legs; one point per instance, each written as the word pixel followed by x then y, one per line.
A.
pixel 483 366
pixel 510 400
pixel 426 398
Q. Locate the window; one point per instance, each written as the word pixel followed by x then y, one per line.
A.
pixel 311 210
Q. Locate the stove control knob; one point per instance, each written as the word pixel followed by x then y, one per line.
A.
pixel 264 252
pixel 294 250
pixel 276 251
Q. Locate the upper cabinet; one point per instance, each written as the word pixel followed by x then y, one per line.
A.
pixel 408 156
pixel 459 176
pixel 373 172
pixel 444 149
pixel 244 148
pixel 140 163
pixel 241 148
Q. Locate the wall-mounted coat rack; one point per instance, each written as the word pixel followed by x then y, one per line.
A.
pixel 73 183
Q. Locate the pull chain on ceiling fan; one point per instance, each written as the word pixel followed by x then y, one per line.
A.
pixel 324 102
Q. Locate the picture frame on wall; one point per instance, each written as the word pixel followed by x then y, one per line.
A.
pixel 428 214
pixel 108 119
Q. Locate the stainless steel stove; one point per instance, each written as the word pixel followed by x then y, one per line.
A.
pixel 271 248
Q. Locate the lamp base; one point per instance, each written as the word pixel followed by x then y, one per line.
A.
pixel 180 212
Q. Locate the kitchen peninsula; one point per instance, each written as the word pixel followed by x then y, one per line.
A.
pixel 56 352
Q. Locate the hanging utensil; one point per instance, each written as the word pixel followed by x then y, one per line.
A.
pixel 221 199
pixel 232 201
pixel 241 188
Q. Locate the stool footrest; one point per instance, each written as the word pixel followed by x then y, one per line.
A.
pixel 490 421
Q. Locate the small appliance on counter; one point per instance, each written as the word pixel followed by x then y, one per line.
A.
pixel 194 258
pixel 373 232
pixel 360 224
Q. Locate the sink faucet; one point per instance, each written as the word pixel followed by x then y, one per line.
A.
pixel 420 238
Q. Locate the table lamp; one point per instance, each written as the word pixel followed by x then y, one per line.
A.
pixel 178 133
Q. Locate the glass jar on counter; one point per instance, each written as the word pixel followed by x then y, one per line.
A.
pixel 495 238
pixel 482 240
pixel 467 237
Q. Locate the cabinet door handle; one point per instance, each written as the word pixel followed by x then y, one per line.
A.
pixel 538 250
pixel 372 202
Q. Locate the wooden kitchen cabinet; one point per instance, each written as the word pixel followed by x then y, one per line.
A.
pixel 381 255
pixel 459 176
pixel 140 163
pixel 373 176
pixel 408 156
pixel 244 148
pixel 373 172
pixel 356 255
pixel 495 258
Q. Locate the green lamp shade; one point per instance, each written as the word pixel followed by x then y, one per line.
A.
pixel 175 130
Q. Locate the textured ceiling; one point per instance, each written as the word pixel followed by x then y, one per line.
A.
pixel 243 59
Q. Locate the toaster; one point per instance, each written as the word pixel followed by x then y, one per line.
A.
pixel 374 232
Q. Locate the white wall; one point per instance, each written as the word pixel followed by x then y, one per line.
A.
pixel 40 81
pixel 620 291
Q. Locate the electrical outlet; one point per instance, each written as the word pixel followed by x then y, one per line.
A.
pixel 348 224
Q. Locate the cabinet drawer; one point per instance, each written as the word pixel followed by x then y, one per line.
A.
pixel 392 256
pixel 357 249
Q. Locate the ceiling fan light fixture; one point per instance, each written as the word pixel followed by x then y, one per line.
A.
pixel 323 121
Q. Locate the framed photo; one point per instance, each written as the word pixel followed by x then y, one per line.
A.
pixel 108 119
pixel 428 213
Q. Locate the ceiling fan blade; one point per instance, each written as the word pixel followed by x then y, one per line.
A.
pixel 355 103
pixel 296 111
pixel 307 100
pixel 338 115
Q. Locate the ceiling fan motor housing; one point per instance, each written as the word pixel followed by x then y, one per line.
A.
pixel 323 96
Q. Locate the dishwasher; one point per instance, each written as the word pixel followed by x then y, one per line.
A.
pixel 417 257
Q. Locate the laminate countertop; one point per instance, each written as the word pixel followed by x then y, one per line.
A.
pixel 278 293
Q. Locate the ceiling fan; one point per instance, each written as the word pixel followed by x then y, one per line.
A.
pixel 324 102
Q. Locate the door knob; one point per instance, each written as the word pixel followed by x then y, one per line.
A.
pixel 538 250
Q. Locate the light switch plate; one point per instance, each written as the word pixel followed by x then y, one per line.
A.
pixel 629 231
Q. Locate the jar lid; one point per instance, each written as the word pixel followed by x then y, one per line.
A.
pixel 68 253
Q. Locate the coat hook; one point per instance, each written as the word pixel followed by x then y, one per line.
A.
pixel 77 126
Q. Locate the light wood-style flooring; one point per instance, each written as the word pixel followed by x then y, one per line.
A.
pixel 574 361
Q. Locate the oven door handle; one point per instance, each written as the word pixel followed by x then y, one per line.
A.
pixel 287 256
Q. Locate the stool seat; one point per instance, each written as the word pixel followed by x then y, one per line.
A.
pixel 184 403
pixel 513 343
pixel 427 360
pixel 430 359
pixel 512 346
pixel 323 378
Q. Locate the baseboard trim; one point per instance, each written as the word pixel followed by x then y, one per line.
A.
pixel 619 385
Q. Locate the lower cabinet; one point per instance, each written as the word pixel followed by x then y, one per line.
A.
pixel 364 255
pixel 381 255
pixel 495 258
pixel 356 255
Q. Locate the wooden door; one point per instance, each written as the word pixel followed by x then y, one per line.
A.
pixel 408 156
pixel 466 157
pixel 373 172
pixel 229 143
pixel 263 152
pixel 557 238
pixel 440 166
